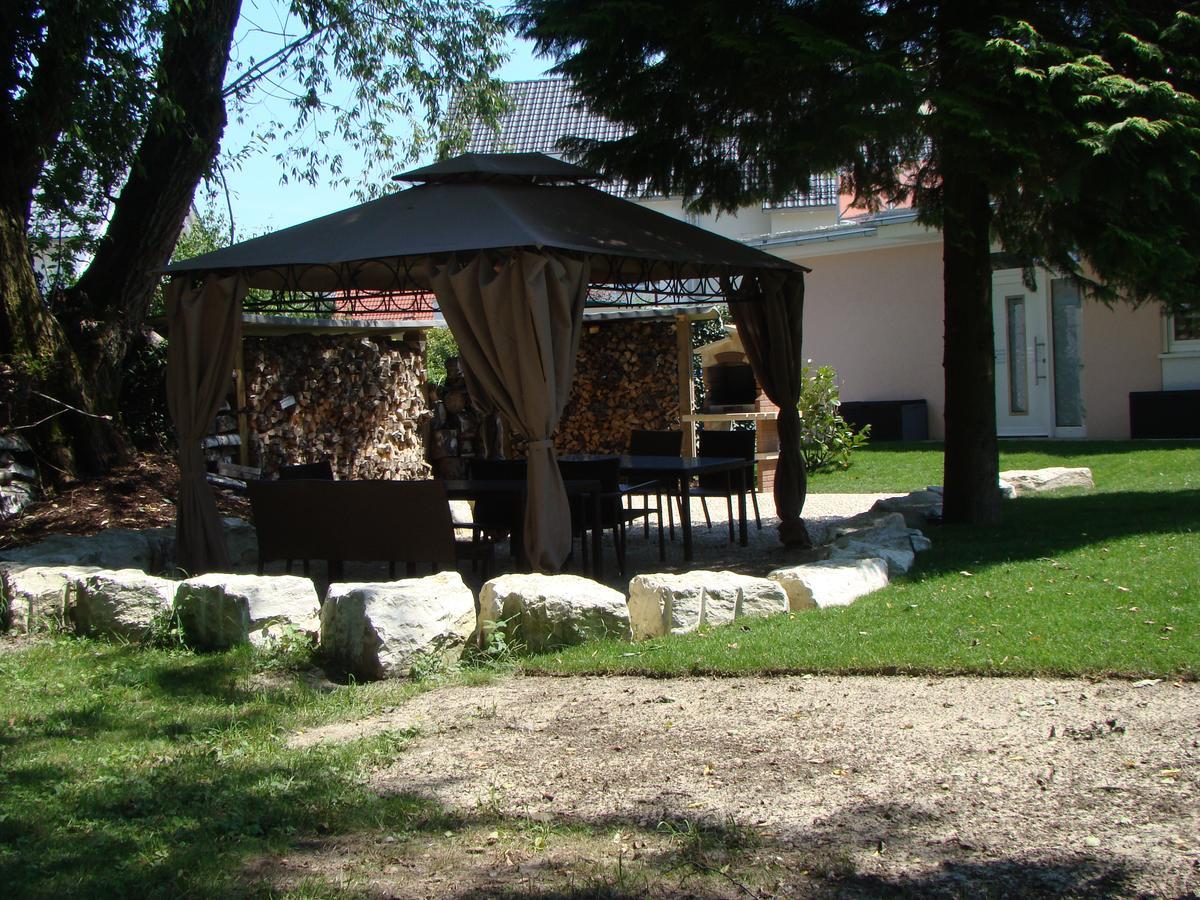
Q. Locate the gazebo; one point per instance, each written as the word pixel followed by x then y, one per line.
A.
pixel 513 246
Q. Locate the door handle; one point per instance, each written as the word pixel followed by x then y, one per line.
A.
pixel 1038 347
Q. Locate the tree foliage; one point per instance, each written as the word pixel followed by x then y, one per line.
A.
pixel 114 110
pixel 1067 131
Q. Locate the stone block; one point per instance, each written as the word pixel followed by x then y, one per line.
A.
pixel 1052 478
pixel 378 630
pixel 38 598
pixel 114 548
pixel 217 611
pixel 126 603
pixel 676 604
pixel 917 508
pixel 833 582
pixel 545 612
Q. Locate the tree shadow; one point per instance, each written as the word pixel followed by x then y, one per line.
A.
pixel 1041 526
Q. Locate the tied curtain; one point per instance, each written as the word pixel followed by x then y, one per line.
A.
pixel 768 310
pixel 205 330
pixel 517 319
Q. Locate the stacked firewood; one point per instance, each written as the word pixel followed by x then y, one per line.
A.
pixel 625 379
pixel 356 401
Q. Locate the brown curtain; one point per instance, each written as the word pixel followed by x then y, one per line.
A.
pixel 768 310
pixel 517 319
pixel 205 329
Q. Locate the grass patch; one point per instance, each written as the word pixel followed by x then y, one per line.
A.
pixel 138 772
pixel 883 467
pixel 1072 583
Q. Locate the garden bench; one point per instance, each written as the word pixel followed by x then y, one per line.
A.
pixel 359 521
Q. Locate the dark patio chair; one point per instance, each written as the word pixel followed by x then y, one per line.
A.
pixel 613 514
pixel 361 521
pixel 657 443
pixel 321 470
pixel 738 444
pixel 498 517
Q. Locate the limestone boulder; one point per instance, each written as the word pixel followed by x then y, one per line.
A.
pixel 676 604
pixel 545 612
pixel 379 630
pixel 242 541
pixel 898 559
pixel 1053 478
pixel 126 603
pixel 917 508
pixel 217 611
pixel 114 548
pixel 831 582
pixel 38 598
pixel 889 541
pixel 15 495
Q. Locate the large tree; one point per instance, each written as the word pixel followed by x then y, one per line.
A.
pixel 1067 132
pixel 113 111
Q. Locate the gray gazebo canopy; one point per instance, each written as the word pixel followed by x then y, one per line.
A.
pixel 510 245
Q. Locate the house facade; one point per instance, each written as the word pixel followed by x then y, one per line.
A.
pixel 1066 367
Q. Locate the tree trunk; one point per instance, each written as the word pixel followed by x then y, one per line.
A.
pixel 180 144
pixel 49 394
pixel 971 460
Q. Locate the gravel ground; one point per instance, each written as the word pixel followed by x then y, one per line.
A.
pixel 942 786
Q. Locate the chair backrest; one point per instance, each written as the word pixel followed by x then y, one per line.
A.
pixel 727 443
pixel 322 470
pixel 498 513
pixel 607 471
pixel 376 521
pixel 498 469
pixel 738 444
pixel 288 519
pixel 401 521
pixel 655 443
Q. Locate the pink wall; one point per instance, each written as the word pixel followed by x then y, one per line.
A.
pixel 876 317
pixel 1120 354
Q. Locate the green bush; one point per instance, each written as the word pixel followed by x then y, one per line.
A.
pixel 439 347
pixel 826 439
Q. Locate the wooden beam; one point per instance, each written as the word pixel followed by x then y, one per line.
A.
pixel 687 390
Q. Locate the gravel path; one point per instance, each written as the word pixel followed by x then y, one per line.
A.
pixel 713 549
pixel 947 786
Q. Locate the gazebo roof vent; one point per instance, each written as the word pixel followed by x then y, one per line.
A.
pixel 538 168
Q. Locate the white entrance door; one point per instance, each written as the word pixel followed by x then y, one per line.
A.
pixel 1020 319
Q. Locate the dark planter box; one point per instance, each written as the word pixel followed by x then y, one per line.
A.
pixel 1164 414
pixel 890 420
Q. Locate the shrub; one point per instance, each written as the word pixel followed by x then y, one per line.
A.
pixel 439 346
pixel 826 439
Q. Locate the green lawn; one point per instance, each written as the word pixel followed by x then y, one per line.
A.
pixel 129 771
pixel 1079 582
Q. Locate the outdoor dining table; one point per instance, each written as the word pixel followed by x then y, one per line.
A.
pixel 679 472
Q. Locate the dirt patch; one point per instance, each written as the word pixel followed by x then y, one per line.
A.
pixel 955 786
pixel 140 494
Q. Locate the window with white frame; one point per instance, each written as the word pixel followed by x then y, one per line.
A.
pixel 1183 329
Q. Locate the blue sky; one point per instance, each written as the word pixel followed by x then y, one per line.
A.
pixel 260 203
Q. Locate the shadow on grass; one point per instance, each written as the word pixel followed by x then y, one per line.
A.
pixel 1064 449
pixel 1046 526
